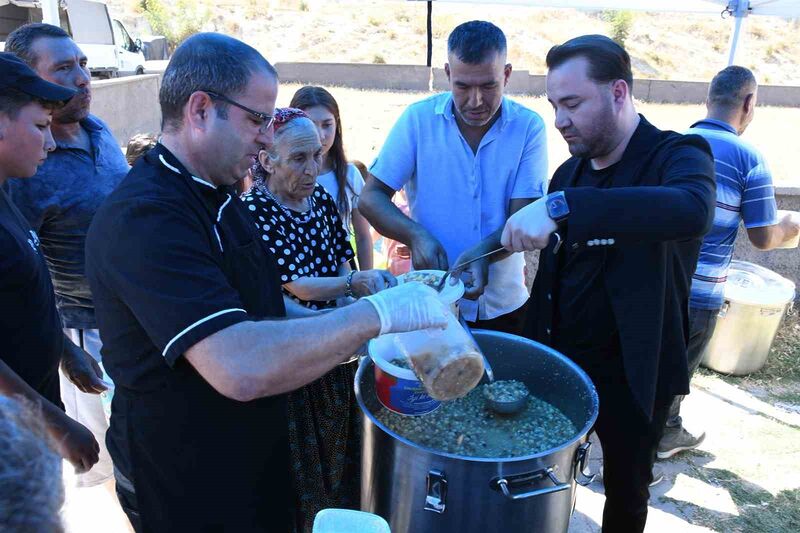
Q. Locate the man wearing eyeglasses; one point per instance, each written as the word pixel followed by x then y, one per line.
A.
pixel 189 307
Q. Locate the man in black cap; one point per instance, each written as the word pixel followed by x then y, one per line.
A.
pixel 59 203
pixel 33 343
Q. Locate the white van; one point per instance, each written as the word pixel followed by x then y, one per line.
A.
pixel 106 42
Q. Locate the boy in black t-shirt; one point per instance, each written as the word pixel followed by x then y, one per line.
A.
pixel 32 343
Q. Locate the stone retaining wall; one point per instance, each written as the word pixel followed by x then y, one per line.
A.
pixel 420 78
pixel 128 105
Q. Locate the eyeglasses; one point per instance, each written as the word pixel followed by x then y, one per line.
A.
pixel 265 119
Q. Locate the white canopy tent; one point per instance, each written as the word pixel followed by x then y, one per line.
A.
pixel 735 9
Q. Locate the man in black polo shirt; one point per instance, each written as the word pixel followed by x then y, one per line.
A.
pixel 620 234
pixel 186 298
pixel 32 343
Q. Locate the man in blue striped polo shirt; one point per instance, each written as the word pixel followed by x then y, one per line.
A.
pixel 744 194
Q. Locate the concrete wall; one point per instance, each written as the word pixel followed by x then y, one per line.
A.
pixel 418 78
pixel 520 82
pixel 128 105
pixel 367 76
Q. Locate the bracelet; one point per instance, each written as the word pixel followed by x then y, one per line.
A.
pixel 348 285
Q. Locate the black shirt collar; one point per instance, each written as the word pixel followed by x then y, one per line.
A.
pixel 161 156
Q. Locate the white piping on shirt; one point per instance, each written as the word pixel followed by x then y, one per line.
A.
pixel 207 184
pixel 204 182
pixel 218 239
pixel 225 203
pixel 219 216
pixel 201 321
pixel 164 162
pixel 176 171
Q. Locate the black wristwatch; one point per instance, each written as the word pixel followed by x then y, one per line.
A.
pixel 557 207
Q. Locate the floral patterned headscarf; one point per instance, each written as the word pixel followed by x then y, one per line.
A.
pixel 284 115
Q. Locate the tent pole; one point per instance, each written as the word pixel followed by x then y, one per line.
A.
pixel 734 46
pixel 50 12
pixel 430 32
pixel 739 9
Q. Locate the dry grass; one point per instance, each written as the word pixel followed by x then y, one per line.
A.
pixel 367 117
pixel 665 45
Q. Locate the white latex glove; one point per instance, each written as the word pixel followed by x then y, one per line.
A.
pixel 529 228
pixel 409 307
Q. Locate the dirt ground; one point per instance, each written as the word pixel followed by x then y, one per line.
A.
pixel 743 478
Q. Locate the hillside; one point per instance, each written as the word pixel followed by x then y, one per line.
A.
pixel 664 46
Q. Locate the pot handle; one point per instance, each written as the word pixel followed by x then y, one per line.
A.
pixel 582 475
pixel 504 485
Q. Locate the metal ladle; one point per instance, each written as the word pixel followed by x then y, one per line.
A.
pixel 508 408
pixel 459 266
pixel 498 406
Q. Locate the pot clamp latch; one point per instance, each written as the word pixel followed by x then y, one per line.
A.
pixel 436 493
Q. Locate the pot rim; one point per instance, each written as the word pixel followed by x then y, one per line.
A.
pixel 580 435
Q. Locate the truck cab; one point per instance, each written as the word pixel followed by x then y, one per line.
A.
pixel 107 44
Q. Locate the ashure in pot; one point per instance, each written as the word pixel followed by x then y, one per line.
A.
pixel 421 489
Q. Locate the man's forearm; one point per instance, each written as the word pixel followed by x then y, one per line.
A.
pixel 295 310
pixel 770 237
pixel 490 243
pixel 255 359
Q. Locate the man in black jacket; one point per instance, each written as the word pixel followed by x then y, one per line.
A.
pixel 620 232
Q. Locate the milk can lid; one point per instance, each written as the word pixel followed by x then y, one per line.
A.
pixel 752 284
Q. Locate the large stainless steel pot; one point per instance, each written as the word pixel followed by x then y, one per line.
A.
pixel 422 490
pixel 756 300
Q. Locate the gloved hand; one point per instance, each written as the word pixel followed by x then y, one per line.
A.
pixel 409 307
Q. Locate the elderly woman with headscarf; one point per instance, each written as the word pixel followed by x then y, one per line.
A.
pixel 300 224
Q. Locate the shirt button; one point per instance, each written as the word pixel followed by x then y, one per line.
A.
pixel 604 242
pixel 548 331
pixel 589 243
pixel 549 296
pixel 610 241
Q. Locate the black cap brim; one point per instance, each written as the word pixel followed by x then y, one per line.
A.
pixel 47 91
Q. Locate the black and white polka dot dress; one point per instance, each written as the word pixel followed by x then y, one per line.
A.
pixel 323 416
pixel 312 243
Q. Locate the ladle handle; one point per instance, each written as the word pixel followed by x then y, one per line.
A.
pixel 503 485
